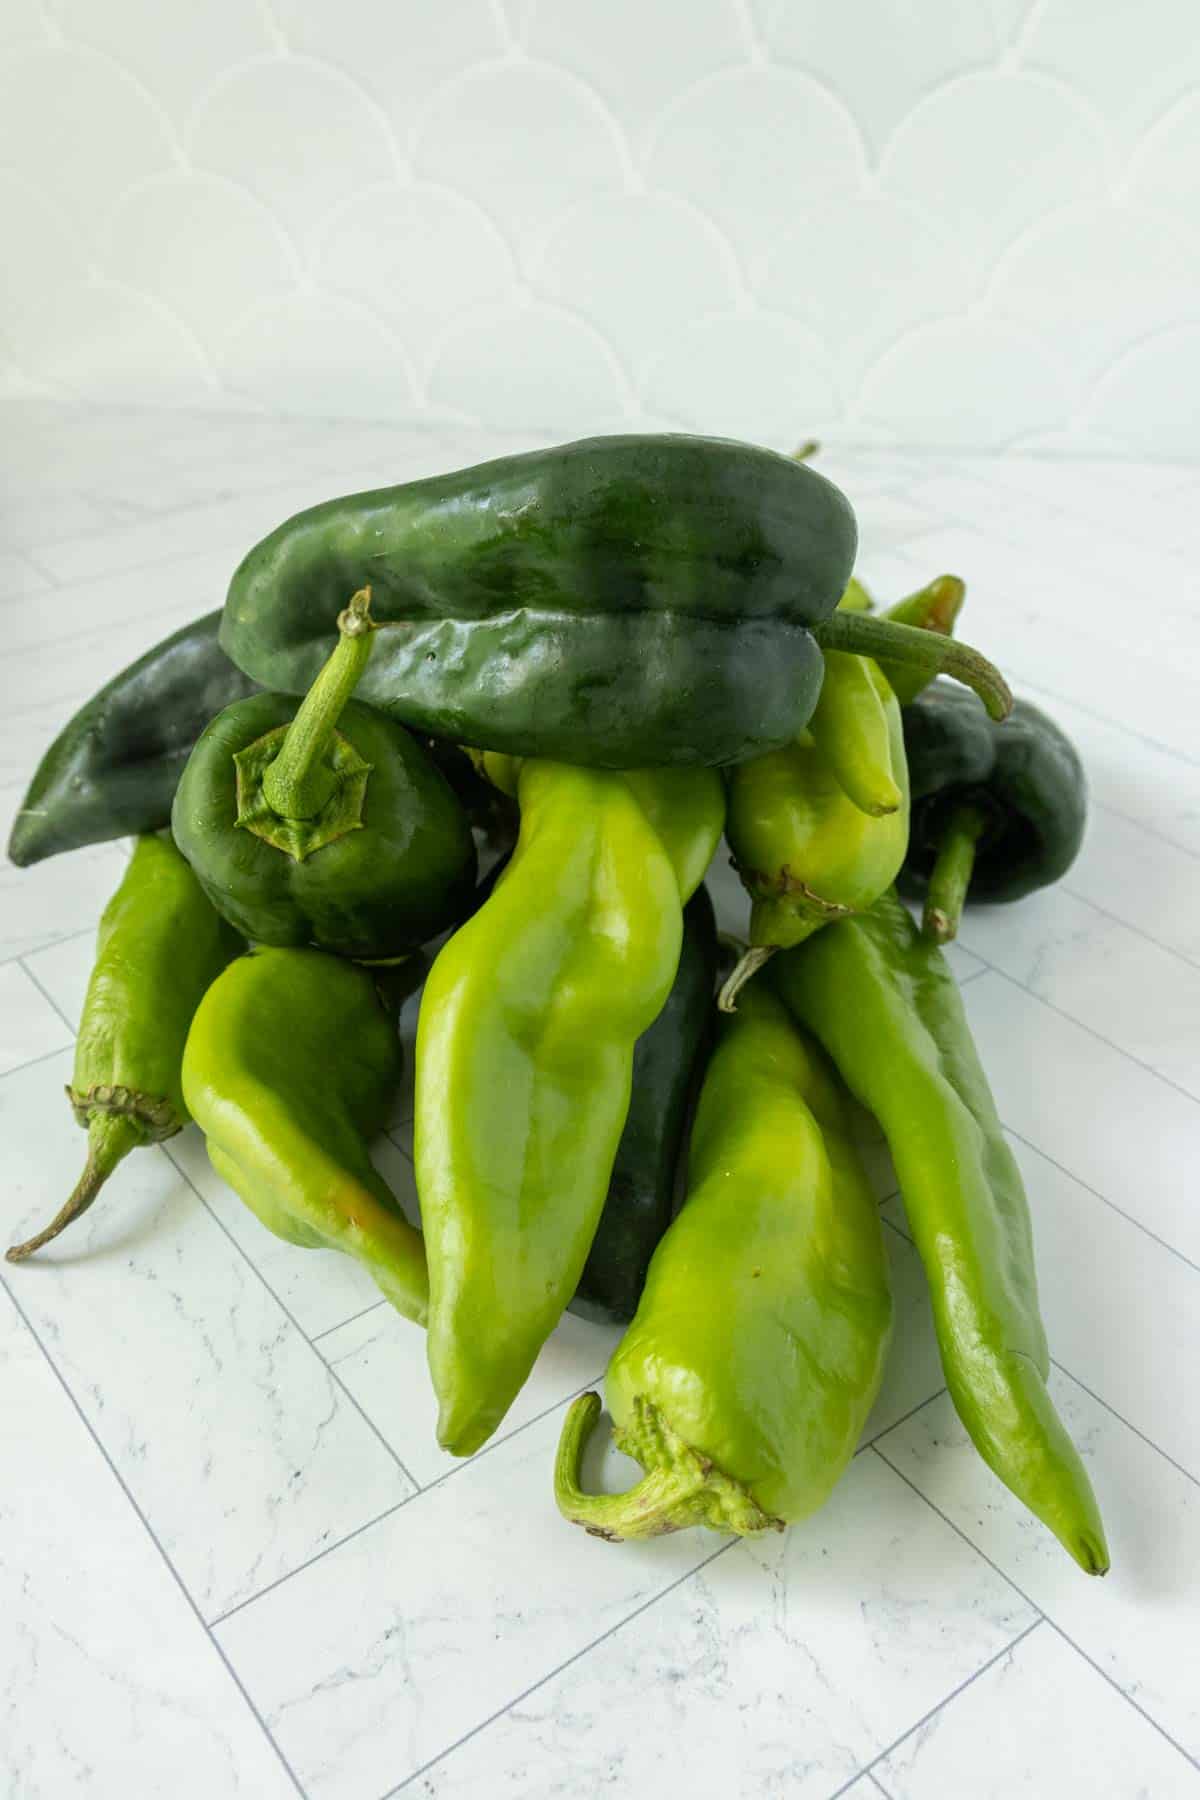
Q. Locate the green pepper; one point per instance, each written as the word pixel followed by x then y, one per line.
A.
pixel 641 1191
pixel 617 602
pixel 159 947
pixel 112 770
pixel 744 1382
pixel 329 827
pixel 807 849
pixel 995 814
pixel 883 1002
pixel 525 1045
pixel 290 1068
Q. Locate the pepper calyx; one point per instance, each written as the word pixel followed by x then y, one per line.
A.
pixel 681 1487
pixel 298 838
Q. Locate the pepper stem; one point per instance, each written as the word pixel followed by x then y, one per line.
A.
pixel 300 781
pixel 748 964
pixel 952 874
pixel 649 1508
pixel 863 635
pixel 807 450
pixel 111 1136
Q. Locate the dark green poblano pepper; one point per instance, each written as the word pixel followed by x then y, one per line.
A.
pixel 996 813
pixel 326 824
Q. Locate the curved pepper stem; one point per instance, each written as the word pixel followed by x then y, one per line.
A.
pixel 863 635
pixel 111 1136
pixel 748 965
pixel 681 1488
pixel 951 875
pixel 300 781
pixel 934 607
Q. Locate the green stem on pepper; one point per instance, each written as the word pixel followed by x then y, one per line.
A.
pixel 951 875
pixel 111 1136
pixel 300 781
pixel 863 635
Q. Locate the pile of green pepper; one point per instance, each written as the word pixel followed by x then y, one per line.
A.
pixel 587 665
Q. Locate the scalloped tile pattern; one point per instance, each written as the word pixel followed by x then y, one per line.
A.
pixel 971 224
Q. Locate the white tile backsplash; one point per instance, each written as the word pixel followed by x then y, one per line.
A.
pixel 969 224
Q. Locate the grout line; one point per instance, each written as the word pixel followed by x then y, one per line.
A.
pixel 946 1699
pixel 876 1783
pixel 1150 830
pixel 975 973
pixel 330 1329
pixel 869 1443
pixel 148 1528
pixel 1103 1198
pixel 332 1373
pixel 48 997
pixel 1129 1426
pixel 1071 1376
pixel 654 1599
pixel 1053 1623
pixel 1080 1025
pixel 448 1475
pixel 1034 686
pixel 1128 925
pixel 33 1061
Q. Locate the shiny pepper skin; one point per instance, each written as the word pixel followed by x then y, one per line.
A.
pixel 525 1045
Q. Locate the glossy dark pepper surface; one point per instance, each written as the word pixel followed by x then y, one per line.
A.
pixel 641 1192
pixel 1024 777
pixel 113 769
pixel 619 602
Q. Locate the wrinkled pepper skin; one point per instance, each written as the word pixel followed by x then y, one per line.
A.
pixel 113 769
pixel 290 1068
pixel 616 602
pixel 159 947
pixel 667 1060
pixel 1022 785
pixel 525 1046
pixel 756 1352
pixel 369 855
pixel 883 1002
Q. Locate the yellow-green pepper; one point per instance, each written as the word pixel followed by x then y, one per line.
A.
pixel 743 1384
pixel 524 1054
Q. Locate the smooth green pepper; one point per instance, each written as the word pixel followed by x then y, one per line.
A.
pixel 882 1000
pixel 327 825
pixel 667 1060
pixel 618 602
pixel 291 1065
pixel 113 769
pixel 996 813
pixel 525 1047
pixel 159 947
pixel 807 850
pixel 744 1382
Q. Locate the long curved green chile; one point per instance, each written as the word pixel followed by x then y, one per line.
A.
pixel 291 1065
pixel 159 947
pixel 525 1046
pixel 324 824
pixel 998 811
pixel 618 602
pixel 113 769
pixel 883 1002
pixel 667 1060
pixel 743 1384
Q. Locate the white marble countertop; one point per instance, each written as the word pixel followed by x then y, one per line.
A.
pixel 232 1559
